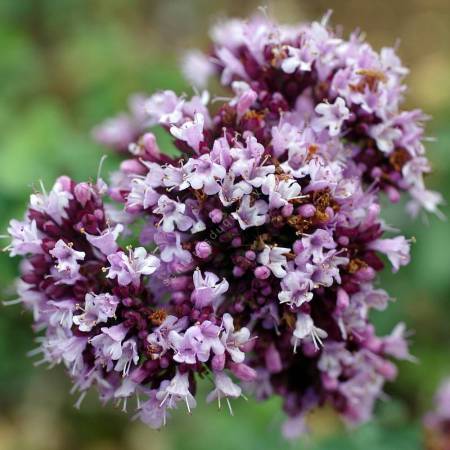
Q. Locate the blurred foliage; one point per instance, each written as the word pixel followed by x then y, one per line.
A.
pixel 65 66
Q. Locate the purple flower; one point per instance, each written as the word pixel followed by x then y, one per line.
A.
pixel 298 59
pixel 385 135
pixel 396 344
pixel 159 339
pixel 128 357
pixel 295 289
pixel 164 107
pixel 439 417
pixel 171 248
pixel 280 192
pixel 316 243
pixel 151 412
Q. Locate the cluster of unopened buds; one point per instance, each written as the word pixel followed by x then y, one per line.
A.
pixel 254 251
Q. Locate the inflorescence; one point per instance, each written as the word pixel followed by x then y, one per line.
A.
pixel 259 243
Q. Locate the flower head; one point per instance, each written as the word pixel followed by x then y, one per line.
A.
pixel 260 239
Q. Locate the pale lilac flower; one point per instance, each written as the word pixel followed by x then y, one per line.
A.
pixel 316 243
pixel 251 216
pixel 202 173
pixel 232 66
pixel 97 308
pixel 25 238
pixel 106 241
pixel 60 313
pixel 295 427
pixel 128 357
pixel 197 68
pixel 385 135
pixel 160 337
pixel 143 193
pixel 396 344
pixel 173 214
pixel 171 248
pixel 207 289
pixel 296 289
pixel 151 412
pixel 67 258
pixel 196 343
pixel 231 192
pixel 396 249
pixel 306 330
pixel 177 390
pixel 54 203
pixel 298 59
pixel 108 343
pixel 264 228
pixel 441 413
pixel 280 192
pixel 164 107
pixel 190 131
pixel 332 116
pixel 234 340
pixel 274 259
pixel 128 269
pixel 224 389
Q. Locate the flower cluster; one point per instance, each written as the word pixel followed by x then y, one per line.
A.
pixel 259 243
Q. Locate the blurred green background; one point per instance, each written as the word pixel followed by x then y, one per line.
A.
pixel 64 66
